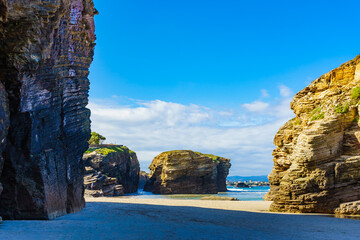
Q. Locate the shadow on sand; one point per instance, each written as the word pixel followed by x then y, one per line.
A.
pixel 102 220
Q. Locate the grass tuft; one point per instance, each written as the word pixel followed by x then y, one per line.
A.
pixel 107 150
pixel 342 109
pixel 355 94
pixel 318 117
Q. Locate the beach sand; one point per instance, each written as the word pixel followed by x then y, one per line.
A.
pixel 129 218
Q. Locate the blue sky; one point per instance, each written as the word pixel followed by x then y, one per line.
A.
pixel 197 74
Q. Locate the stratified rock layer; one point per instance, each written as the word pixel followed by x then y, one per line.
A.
pixel 114 161
pixel 351 208
pixel 46 48
pixel 99 185
pixel 317 159
pixel 187 172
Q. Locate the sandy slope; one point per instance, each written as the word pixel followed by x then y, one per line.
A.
pixel 126 218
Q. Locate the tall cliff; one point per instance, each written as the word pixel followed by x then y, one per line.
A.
pixel 46 48
pixel 188 172
pixel 317 159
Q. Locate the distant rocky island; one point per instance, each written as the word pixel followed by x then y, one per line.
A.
pixel 247 184
pixel 110 170
pixel 317 159
pixel 187 172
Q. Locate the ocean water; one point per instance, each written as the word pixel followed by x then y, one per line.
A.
pixel 243 194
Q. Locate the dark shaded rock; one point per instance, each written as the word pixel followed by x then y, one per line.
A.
pixel 241 185
pixel 99 185
pixel 45 53
pixel 4 124
pixel 187 172
pixel 115 161
pixel 143 178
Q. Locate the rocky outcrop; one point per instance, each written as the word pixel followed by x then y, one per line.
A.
pixel 187 172
pixel 350 208
pixel 143 178
pixel 115 164
pixel 46 48
pixel 242 185
pixel 317 159
pixel 99 185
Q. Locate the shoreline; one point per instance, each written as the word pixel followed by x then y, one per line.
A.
pixel 248 206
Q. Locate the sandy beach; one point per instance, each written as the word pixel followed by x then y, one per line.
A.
pixel 128 218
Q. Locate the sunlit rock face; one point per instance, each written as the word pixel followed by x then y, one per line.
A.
pixel 188 172
pixel 317 159
pixel 46 48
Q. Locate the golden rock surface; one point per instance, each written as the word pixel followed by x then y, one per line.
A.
pixel 317 158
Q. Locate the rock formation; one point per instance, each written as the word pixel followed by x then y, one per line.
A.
pixel 143 178
pixel 99 185
pixel 109 163
pixel 46 48
pixel 350 208
pixel 185 171
pixel 317 159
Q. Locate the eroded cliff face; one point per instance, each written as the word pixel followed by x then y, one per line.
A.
pixel 187 172
pixel 317 159
pixel 46 48
pixel 4 111
pixel 112 170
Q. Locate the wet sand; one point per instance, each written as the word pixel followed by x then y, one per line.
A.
pixel 127 218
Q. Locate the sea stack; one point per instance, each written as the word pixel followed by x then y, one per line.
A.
pixel 317 159
pixel 46 48
pixel 187 172
pixel 111 170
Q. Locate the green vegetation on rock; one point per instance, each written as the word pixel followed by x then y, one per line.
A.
pixel 316 114
pixel 107 150
pixel 297 122
pixel 96 138
pixel 90 150
pixel 355 94
pixel 342 109
pixel 318 117
pixel 213 157
pixel 316 110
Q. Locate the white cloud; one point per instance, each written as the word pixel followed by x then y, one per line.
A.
pixel 151 127
pixel 256 107
pixel 264 93
pixel 285 91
